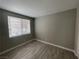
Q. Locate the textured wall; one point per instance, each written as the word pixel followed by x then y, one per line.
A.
pixel 5 41
pixel 57 28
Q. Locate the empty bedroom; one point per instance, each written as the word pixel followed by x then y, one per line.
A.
pixel 39 29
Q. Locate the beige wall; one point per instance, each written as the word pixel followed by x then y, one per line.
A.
pixel 57 28
pixel 77 32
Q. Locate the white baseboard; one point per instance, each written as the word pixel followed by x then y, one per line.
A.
pixel 76 55
pixel 71 50
pixel 15 47
pixel 56 45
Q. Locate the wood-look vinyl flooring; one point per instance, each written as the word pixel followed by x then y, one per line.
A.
pixel 38 50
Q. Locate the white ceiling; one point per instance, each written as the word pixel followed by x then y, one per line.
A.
pixel 37 8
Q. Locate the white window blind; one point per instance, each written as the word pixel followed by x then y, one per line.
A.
pixel 18 26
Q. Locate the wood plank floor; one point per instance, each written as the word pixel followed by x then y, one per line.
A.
pixel 38 50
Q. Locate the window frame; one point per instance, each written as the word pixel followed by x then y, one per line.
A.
pixel 21 27
pixel 22 17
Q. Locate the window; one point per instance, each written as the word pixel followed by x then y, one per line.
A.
pixel 18 26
